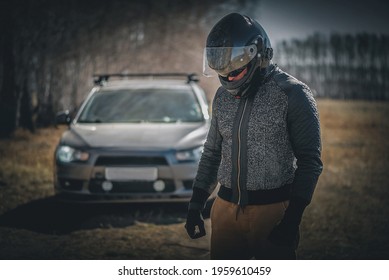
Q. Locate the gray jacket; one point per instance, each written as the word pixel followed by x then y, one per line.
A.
pixel 264 148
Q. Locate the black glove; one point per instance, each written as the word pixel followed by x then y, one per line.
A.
pixel 195 224
pixel 194 221
pixel 286 233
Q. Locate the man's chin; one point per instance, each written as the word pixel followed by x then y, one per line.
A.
pixel 239 76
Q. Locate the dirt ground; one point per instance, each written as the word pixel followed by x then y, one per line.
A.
pixel 347 219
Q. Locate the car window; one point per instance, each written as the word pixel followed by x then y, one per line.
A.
pixel 142 105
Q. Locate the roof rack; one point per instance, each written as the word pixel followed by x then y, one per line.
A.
pixel 100 79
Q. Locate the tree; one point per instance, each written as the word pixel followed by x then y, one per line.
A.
pixel 7 87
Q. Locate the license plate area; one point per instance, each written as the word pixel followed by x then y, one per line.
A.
pixel 131 173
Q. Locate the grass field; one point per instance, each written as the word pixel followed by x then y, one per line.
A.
pixel 347 219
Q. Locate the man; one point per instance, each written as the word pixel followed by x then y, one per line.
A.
pixel 263 147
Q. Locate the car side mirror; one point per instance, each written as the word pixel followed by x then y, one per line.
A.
pixel 63 117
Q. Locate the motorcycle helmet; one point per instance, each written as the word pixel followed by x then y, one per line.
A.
pixel 237 46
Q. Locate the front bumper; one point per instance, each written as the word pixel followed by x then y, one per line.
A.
pixel 88 181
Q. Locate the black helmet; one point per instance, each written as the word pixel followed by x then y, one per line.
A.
pixel 236 43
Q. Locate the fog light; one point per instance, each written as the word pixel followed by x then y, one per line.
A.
pixel 107 186
pixel 159 185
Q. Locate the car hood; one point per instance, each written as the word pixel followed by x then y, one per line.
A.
pixel 147 136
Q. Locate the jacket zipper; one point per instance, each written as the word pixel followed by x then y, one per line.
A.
pixel 239 148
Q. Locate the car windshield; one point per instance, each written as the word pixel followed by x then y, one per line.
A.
pixel 142 105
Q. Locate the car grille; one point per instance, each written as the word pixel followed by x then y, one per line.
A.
pixel 71 184
pixel 126 160
pixel 95 186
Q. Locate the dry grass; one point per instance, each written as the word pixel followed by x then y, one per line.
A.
pixel 26 166
pixel 347 218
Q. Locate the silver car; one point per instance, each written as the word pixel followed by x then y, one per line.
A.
pixel 136 138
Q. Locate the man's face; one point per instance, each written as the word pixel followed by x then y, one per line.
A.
pixel 237 75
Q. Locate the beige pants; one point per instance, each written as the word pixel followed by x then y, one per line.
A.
pixel 242 233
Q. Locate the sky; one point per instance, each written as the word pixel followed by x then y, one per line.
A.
pixel 285 19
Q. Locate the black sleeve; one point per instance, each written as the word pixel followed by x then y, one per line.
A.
pixel 206 178
pixel 304 133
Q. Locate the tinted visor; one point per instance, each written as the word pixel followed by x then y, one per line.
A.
pixel 224 60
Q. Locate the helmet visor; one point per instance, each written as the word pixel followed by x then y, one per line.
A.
pixel 224 60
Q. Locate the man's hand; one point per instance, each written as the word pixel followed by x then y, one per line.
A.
pixel 285 235
pixel 195 224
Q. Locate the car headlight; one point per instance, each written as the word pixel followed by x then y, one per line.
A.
pixel 69 154
pixel 190 155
